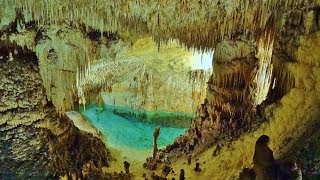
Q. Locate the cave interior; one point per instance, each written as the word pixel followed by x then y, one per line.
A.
pixel 159 89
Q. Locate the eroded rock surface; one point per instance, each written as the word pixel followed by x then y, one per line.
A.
pixel 251 84
pixel 35 141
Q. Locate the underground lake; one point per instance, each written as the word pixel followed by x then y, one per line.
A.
pixel 123 128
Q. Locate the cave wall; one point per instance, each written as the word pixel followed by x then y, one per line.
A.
pixel 150 90
pixel 291 110
pixel 143 77
pixel 130 17
pixel 284 103
pixel 64 53
pixel 77 66
pixel 36 142
pixel 240 81
pixel 299 57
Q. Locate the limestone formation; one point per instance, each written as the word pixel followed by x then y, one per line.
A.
pixel 265 77
pixel 181 176
pixel 126 167
pixel 35 140
pixel 155 138
pixel 128 16
pixel 197 168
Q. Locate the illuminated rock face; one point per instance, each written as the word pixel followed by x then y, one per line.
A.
pixel 271 70
pixel 293 121
pixel 230 104
pixel 143 77
pixel 138 17
pixel 139 77
pixel 35 141
pixel 291 110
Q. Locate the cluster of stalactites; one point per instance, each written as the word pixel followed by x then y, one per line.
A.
pixel 232 75
pixel 228 92
pixel 63 62
pixel 101 76
pixel 93 79
pixel 190 21
pixel 61 85
pixel 61 67
pixel 198 79
pixel 263 76
pixel 282 79
pixel 57 64
pixel 199 76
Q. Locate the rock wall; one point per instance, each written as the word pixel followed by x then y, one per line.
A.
pixel 143 77
pixel 132 74
pixel 300 61
pixel 291 111
pixel 35 141
pixel 279 82
pixel 230 105
pixel 64 52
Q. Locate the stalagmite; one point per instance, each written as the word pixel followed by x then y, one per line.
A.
pixel 155 144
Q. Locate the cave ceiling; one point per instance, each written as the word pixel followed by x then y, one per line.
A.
pixel 196 23
pixel 63 35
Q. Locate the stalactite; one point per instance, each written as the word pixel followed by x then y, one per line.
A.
pixel 263 76
pixel 179 22
pixel 282 78
pixel 235 16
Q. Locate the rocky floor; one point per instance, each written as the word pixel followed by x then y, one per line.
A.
pixel 35 141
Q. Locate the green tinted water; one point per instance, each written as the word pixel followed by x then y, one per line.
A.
pixel 129 131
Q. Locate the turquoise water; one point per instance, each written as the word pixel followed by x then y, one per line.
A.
pixel 122 131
